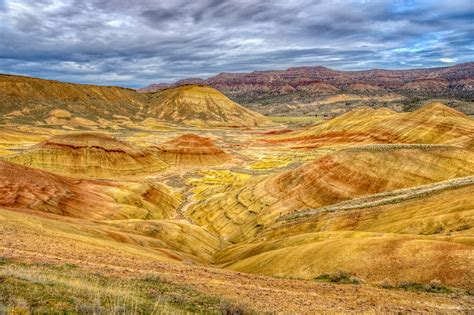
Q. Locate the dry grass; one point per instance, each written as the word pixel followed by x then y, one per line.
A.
pixel 30 238
pixel 45 288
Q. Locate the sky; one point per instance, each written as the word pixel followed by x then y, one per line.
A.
pixel 133 43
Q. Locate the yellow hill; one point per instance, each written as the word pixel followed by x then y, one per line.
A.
pixel 336 177
pixel 29 100
pixel 420 235
pixel 201 106
pixel 71 251
pixel 393 204
pixel 26 188
pixel 89 155
pixel 26 100
pixel 433 123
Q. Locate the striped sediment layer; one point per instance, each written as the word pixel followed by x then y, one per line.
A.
pixel 190 149
pixel 26 188
pixel 201 106
pixel 434 123
pixel 336 177
pixel 89 155
pixel 410 235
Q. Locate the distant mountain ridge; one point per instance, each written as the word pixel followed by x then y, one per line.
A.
pixel 307 83
pixel 459 80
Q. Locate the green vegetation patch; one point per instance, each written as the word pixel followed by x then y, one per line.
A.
pixel 432 287
pixel 338 277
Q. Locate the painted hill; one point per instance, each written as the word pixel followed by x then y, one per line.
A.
pixel 365 212
pixel 89 155
pixel 373 151
pixel 26 99
pixel 385 197
pixel 76 259
pixel 409 238
pixel 435 123
pixel 190 149
pixel 201 106
pixel 336 177
pixel 115 213
pixel 27 188
pixel 375 198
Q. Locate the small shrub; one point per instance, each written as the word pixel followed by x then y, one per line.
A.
pixel 386 284
pixel 411 104
pixel 89 308
pixel 231 308
pixel 463 227
pixel 339 277
pixel 434 286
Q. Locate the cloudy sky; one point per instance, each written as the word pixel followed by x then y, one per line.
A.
pixel 135 42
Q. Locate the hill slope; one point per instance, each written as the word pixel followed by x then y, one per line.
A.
pixel 70 251
pixel 36 101
pixel 26 99
pixel 190 149
pixel 394 230
pixel 435 123
pixel 201 106
pixel 240 214
pixel 26 188
pixel 89 155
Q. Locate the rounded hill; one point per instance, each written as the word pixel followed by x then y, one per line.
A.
pixel 201 106
pixel 89 155
pixel 190 149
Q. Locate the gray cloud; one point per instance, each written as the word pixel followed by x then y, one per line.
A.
pixel 133 43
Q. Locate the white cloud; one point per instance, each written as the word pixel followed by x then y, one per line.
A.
pixel 138 42
pixel 448 60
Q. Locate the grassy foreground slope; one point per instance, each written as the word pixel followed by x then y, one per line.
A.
pixel 59 264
